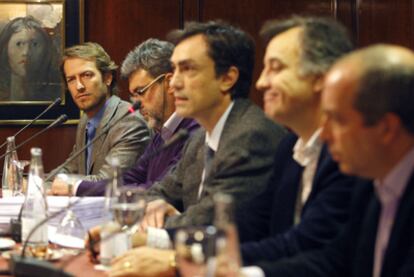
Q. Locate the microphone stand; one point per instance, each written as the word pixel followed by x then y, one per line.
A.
pixel 56 102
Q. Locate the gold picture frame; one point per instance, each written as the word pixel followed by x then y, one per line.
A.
pixel 33 35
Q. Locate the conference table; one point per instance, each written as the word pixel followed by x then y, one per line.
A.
pixel 88 210
pixel 81 266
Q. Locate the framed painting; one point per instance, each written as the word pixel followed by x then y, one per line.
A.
pixel 33 35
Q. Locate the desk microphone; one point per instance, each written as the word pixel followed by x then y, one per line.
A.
pixel 60 120
pixel 52 105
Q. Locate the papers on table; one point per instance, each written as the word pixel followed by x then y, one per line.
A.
pixel 89 210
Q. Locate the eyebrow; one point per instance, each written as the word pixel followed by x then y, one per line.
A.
pixel 184 62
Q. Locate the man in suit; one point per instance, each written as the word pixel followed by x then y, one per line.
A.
pixel 369 126
pixel 310 196
pixel 232 153
pixel 90 76
pixel 149 72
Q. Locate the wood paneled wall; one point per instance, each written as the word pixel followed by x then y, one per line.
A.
pixel 120 25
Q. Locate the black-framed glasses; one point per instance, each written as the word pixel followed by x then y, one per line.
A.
pixel 142 91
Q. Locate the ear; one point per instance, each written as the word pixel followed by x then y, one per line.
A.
pixel 107 78
pixel 167 86
pixel 390 128
pixel 318 84
pixel 229 78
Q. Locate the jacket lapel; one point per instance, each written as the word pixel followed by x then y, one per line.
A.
pixel 395 252
pixel 109 113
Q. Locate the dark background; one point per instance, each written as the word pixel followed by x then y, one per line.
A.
pixel 120 25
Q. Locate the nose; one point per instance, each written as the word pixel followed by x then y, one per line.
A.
pixel 262 83
pixel 79 84
pixel 176 81
pixel 25 49
pixel 325 130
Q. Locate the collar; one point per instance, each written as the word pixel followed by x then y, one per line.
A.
pixel 303 153
pixel 213 139
pixel 170 126
pixel 96 119
pixel 392 186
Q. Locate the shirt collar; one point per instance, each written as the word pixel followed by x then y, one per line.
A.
pixel 96 119
pixel 213 139
pixel 303 153
pixel 170 126
pixel 392 186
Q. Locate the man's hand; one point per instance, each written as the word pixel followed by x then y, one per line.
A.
pixel 144 262
pixel 59 187
pixel 155 214
pixel 92 243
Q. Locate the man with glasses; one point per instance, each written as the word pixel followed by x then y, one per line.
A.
pixel 90 74
pixel 149 71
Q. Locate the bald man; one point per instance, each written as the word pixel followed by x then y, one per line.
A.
pixel 368 103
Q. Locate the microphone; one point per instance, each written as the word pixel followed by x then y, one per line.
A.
pixel 58 121
pixel 52 105
pixel 132 109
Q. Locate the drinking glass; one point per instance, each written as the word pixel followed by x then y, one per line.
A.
pixel 128 207
pixel 195 248
pixel 70 231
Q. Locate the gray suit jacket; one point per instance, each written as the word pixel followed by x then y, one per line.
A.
pixel 242 166
pixel 126 141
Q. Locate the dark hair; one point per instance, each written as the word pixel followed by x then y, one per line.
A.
pixel 94 52
pixel 385 87
pixel 227 46
pixel 324 40
pixel 152 55
pixel 41 69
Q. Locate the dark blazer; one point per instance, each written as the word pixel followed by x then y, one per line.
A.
pixel 323 215
pixel 352 253
pixel 146 170
pixel 125 141
pixel 242 166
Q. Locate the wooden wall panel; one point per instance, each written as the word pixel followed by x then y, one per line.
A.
pixel 56 144
pixel 385 21
pixel 121 25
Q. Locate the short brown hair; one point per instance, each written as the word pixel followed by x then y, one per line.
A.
pixel 94 52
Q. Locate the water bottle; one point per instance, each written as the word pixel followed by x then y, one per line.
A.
pixel 35 206
pixel 9 167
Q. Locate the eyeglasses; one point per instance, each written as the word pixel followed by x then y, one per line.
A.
pixel 141 92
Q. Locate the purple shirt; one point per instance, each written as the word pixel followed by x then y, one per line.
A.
pixel 389 192
pixel 146 172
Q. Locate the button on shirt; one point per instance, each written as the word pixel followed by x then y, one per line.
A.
pixel 389 191
pixel 307 155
